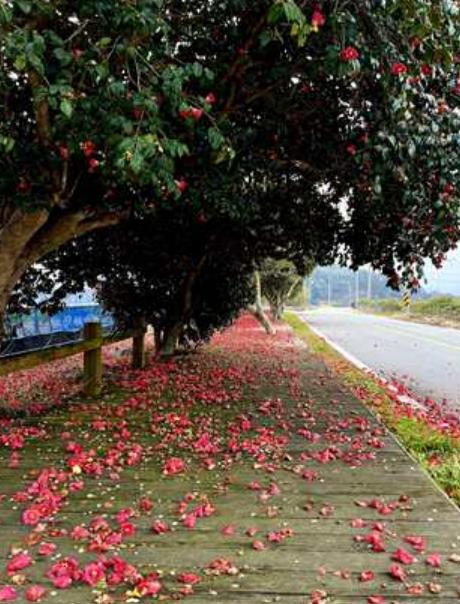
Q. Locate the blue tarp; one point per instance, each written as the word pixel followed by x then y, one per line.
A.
pixel 71 318
pixel 38 330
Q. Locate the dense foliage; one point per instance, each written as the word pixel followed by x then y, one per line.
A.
pixel 327 128
pixel 184 277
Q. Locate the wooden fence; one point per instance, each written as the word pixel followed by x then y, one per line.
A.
pixel 91 345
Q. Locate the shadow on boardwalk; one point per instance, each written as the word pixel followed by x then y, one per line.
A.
pixel 243 473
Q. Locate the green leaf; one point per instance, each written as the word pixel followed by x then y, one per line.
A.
pixel 215 137
pixel 197 70
pixel 24 5
pixel 66 107
pixel 5 15
pixel 104 42
pixel 208 74
pixel 265 38
pixel 64 57
pixel 276 13
pixel 293 12
pixel 8 143
pixel 136 163
pixel 20 62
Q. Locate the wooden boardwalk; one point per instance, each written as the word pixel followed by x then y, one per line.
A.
pixel 296 527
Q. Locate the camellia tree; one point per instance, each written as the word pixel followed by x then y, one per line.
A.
pixel 93 115
pixel 344 113
pixel 183 276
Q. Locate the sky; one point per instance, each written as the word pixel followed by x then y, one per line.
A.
pixel 447 279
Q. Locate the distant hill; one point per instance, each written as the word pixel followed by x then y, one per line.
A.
pixel 342 287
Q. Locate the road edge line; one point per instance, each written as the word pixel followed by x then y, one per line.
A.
pixel 405 400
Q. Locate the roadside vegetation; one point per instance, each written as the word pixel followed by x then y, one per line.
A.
pixel 428 430
pixel 439 310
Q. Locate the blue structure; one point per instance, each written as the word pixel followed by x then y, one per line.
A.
pixel 69 319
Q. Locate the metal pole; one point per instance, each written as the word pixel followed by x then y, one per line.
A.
pixel 369 285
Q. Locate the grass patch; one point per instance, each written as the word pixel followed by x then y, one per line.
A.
pixel 447 475
pixel 440 310
pixel 420 438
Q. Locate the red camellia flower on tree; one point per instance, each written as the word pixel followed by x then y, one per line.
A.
pixel 88 147
pixel 398 69
pixel 182 185
pixel 426 70
pixel 77 53
pixel 210 98
pixel 194 113
pixel 350 53
pixel 93 164
pixel 351 149
pixel 64 152
pixel 317 19
pixel 23 186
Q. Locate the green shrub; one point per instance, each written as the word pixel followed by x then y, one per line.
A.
pixel 444 306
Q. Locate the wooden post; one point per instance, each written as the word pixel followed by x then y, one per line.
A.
pixel 92 364
pixel 138 360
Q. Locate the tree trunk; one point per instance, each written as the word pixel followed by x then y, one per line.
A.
pixel 172 334
pixel 277 309
pixel 293 288
pixel 26 237
pixel 158 337
pixel 258 310
pixel 169 341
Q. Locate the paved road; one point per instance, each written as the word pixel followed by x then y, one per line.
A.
pixel 426 357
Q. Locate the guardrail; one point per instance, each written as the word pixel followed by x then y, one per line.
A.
pixel 91 346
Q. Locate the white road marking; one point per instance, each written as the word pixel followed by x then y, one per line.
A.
pixel 406 400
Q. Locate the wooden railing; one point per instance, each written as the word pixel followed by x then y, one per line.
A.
pixel 91 345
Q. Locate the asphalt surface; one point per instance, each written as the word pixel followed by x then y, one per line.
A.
pixel 425 357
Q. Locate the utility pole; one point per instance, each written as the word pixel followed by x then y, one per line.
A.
pixel 329 289
pixel 357 289
pixel 369 285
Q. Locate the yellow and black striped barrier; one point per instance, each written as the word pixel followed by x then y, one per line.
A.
pixel 406 300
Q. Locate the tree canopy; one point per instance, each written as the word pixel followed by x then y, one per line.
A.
pixel 327 128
